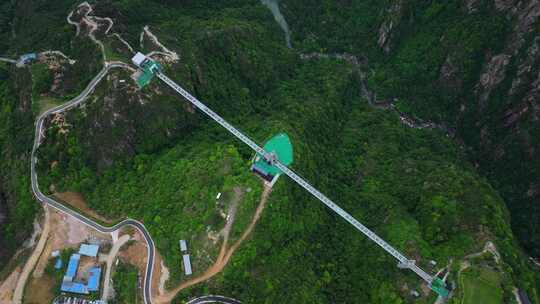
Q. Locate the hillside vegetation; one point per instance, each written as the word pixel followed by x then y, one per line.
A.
pixel 472 66
pixel 148 155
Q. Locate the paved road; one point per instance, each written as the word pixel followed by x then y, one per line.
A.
pixel 214 299
pixel 38 137
pixel 39 134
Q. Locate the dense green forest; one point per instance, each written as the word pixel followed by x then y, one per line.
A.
pixel 38 27
pixel 431 62
pixel 126 282
pixel 17 206
pixel 147 155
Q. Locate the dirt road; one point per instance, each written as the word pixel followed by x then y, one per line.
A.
pixel 33 259
pixel 110 259
pixel 224 255
pixel 7 287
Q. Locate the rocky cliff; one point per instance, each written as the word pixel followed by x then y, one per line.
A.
pixel 471 65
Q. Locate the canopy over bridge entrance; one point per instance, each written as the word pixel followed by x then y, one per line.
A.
pixel 281 146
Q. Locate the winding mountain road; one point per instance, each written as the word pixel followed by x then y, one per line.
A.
pixel 39 135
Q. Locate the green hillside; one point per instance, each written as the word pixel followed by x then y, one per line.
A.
pixel 148 155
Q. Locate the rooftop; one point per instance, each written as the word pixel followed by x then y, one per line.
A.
pixel 282 147
pixel 144 79
pixel 72 266
pixel 58 263
pixel 94 274
pixel 138 58
pixel 74 287
pixel 89 250
pixel 187 264
pixel 93 279
pixel 183 245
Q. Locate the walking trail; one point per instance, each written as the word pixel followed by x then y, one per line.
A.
pixel 223 257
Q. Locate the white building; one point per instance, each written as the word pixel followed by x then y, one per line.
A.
pixel 187 264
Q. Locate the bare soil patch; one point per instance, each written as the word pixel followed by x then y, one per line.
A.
pixel 33 259
pixel 65 232
pixel 136 255
pixel 39 291
pixel 76 200
pixel 68 232
pixel 224 255
pixel 8 286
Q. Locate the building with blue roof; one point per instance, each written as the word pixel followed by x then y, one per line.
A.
pixel 72 267
pixel 74 287
pixel 94 274
pixel 89 250
pixel 26 58
pixel 93 279
pixel 58 264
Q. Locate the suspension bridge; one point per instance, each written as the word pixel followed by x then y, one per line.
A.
pixel 150 68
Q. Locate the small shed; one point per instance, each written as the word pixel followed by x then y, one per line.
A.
pixel 187 264
pixel 89 250
pixel 138 59
pixel 58 263
pixel 183 245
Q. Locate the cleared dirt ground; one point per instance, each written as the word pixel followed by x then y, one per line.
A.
pixel 64 232
pixel 76 200
pixel 39 291
pixel 135 253
pixel 8 286
pixel 225 254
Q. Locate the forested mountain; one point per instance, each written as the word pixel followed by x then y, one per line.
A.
pixel 471 65
pixel 418 117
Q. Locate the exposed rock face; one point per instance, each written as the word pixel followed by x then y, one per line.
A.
pixel 384 35
pixel 526 66
pixel 493 75
pixel 508 94
pixel 526 14
pixel 505 5
pixel 471 5
pixel 385 30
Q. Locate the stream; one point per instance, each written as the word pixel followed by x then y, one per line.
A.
pixel 411 122
pixel 273 5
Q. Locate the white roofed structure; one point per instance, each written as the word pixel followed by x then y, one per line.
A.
pixel 187 264
pixel 138 58
pixel 183 245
